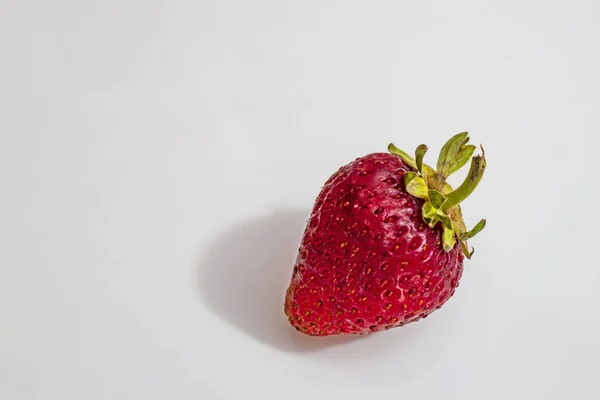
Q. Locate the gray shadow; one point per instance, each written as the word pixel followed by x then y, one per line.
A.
pixel 243 276
pixel 245 272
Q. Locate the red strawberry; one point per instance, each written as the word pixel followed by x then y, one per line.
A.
pixel 384 244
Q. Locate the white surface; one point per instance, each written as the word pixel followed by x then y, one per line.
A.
pixel 158 160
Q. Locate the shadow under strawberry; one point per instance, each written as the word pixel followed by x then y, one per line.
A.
pixel 243 276
pixel 242 279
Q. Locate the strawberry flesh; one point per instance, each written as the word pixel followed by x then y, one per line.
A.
pixel 367 261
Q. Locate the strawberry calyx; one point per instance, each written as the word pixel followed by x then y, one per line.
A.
pixel 442 202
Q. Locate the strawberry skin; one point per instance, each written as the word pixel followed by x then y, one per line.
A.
pixel 368 261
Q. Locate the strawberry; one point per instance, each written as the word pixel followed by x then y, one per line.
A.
pixel 385 242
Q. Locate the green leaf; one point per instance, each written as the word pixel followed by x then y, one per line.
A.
pixel 409 176
pixel 445 220
pixel 476 229
pixel 427 171
pixel 437 199
pixel 429 210
pixel 454 154
pixel 420 154
pixel 465 250
pixel 418 188
pixel 458 225
pixel 462 158
pixel 448 239
pixel 473 178
pixel 429 214
pixel 409 160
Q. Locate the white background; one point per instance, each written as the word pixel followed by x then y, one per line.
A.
pixel 158 160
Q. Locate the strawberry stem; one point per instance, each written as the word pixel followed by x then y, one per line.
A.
pixel 442 203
